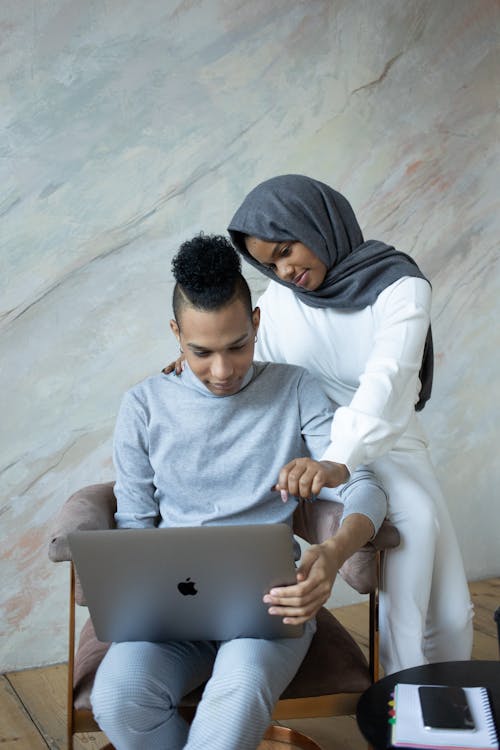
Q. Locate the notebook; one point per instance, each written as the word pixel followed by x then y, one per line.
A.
pixel 408 727
pixel 203 583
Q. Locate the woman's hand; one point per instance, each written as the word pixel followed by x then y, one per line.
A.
pixel 177 366
pixel 315 578
pixel 304 477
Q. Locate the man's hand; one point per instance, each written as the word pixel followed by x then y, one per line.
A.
pixel 315 578
pixel 304 477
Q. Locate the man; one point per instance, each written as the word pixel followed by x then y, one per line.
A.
pixel 228 441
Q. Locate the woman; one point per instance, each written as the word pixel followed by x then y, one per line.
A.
pixel 357 315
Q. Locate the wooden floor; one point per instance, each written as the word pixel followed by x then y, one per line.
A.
pixel 32 702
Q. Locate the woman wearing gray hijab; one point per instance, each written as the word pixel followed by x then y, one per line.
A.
pixel 357 315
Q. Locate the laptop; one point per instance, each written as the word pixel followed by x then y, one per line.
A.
pixel 186 583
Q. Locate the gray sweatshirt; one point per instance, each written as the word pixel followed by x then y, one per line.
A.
pixel 185 457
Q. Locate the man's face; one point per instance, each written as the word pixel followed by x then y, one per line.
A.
pixel 218 345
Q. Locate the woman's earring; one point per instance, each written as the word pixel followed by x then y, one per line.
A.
pixel 255 339
pixel 181 350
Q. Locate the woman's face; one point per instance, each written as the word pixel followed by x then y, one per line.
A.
pixel 290 260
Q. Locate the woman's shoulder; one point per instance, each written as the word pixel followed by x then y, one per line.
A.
pixel 275 292
pixel 279 302
pixel 412 289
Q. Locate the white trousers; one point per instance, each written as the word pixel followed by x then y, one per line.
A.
pixel 139 685
pixel 425 608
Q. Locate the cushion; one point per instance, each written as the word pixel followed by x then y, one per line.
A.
pixel 88 656
pixel 92 507
pixel 316 522
pixel 333 664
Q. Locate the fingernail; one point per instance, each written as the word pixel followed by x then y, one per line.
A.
pixel 284 495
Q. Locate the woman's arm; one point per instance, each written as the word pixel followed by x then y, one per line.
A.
pixel 384 402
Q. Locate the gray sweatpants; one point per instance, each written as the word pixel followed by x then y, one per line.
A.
pixel 139 685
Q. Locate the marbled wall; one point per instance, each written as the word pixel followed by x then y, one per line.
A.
pixel 129 126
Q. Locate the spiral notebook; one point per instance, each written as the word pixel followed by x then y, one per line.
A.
pixel 408 727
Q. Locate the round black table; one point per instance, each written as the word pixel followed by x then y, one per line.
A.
pixel 372 707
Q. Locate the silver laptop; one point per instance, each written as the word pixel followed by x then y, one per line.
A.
pixel 203 583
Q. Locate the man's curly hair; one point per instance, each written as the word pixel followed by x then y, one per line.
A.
pixel 207 270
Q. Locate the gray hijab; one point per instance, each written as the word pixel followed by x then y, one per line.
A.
pixel 295 207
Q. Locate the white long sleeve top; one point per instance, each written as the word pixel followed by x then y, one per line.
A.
pixel 367 360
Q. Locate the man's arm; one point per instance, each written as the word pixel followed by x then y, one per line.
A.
pixel 305 477
pixel 309 477
pixel 134 488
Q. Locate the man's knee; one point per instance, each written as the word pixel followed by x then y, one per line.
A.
pixel 126 676
pixel 250 686
pixel 107 692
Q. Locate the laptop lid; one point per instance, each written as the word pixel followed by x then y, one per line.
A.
pixel 203 583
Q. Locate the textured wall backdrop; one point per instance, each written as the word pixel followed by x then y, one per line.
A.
pixel 130 125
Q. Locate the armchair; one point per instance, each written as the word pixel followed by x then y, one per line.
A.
pixel 333 674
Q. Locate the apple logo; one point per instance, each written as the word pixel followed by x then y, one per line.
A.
pixel 187 587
